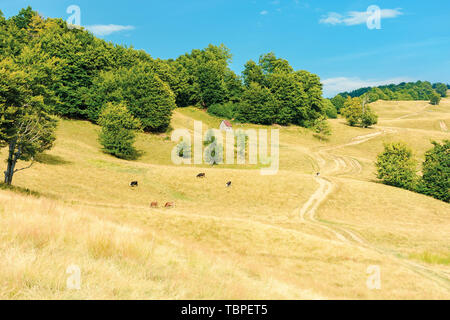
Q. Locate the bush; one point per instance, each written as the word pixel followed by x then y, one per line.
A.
pixel 338 102
pixel 396 166
pixel 117 135
pixel 330 109
pixel 226 110
pixel 435 99
pixel 435 181
pixel 321 128
pixel 368 118
pixel 356 114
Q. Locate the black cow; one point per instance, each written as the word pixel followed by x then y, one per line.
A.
pixel 201 175
pixel 228 184
pixel 133 184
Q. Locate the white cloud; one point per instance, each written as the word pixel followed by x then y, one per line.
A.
pixel 105 30
pixel 333 86
pixel 264 12
pixel 353 18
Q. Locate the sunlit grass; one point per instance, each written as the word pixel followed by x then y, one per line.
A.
pixel 242 242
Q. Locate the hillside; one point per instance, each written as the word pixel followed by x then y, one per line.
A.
pixel 288 236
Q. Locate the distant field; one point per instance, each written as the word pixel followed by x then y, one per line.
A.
pixel 243 242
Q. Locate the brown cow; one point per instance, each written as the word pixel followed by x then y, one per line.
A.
pixel 154 204
pixel 169 205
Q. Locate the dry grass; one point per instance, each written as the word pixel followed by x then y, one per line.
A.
pixel 243 242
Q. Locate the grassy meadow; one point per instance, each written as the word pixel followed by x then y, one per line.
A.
pixel 242 242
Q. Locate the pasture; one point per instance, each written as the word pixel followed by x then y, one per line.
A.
pixel 257 239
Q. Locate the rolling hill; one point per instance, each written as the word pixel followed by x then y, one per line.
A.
pixel 293 235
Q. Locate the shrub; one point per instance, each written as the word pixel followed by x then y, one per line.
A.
pixel 321 128
pixel 225 110
pixel 396 166
pixel 117 135
pixel 330 109
pixel 435 181
pixel 435 99
pixel 356 114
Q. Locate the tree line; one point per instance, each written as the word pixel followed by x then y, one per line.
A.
pixel 420 90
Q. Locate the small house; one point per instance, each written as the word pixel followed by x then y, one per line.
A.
pixel 225 125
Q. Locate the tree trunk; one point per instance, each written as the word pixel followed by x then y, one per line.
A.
pixel 12 160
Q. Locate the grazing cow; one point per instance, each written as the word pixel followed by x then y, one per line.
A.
pixel 133 184
pixel 228 184
pixel 201 175
pixel 154 204
pixel 317 174
pixel 169 205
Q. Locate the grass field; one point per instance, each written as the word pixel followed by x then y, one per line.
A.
pixel 259 239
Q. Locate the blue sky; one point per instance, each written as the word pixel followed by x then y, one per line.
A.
pixel 329 38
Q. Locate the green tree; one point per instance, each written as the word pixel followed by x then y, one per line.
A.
pixel 330 109
pixel 295 96
pixel 322 129
pixel 441 89
pixel 205 76
pixel 258 105
pixel 435 99
pixel 368 117
pixel 357 112
pixel 396 166
pixel 26 126
pixel 338 101
pixel 352 111
pixel 117 135
pixel 435 181
pixel 23 19
pixel 147 97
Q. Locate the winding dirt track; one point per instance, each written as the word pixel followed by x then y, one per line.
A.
pixel 347 165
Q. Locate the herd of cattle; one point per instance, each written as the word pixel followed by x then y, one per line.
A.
pixel 168 205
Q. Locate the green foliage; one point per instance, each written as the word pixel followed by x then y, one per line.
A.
pixel 23 19
pixel 435 181
pixel 117 135
pixel 435 99
pixel 148 98
pixel 226 110
pixel 338 101
pixel 441 89
pixel 321 128
pixel 396 166
pixel 368 118
pixel 330 109
pixel 358 113
pixel 275 93
pixel 26 125
pixel 258 105
pixel 420 90
pixel 205 78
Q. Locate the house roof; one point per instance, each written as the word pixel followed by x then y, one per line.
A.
pixel 227 123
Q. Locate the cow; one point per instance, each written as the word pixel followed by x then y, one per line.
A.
pixel 317 174
pixel 154 204
pixel 201 175
pixel 169 205
pixel 133 184
pixel 228 184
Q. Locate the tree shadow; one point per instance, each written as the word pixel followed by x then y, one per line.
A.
pixel 51 159
pixel 20 190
